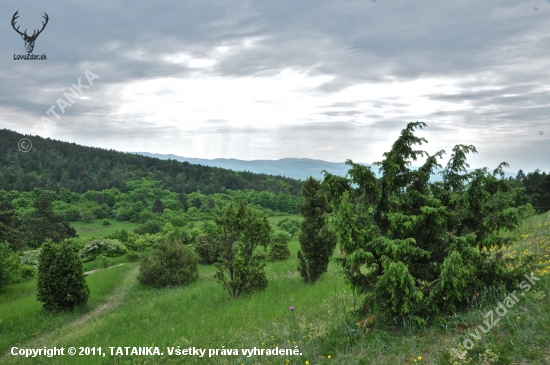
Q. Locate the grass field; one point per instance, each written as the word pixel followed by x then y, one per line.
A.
pixel 97 229
pixel 121 312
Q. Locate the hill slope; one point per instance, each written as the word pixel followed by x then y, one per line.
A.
pixel 53 164
pixel 296 168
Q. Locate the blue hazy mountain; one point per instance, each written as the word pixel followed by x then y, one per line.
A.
pixel 296 168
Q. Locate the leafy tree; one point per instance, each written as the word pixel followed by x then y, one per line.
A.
pixel 279 246
pixel 416 248
pixel 158 207
pixel 171 263
pixel 9 265
pixel 61 281
pixel 44 223
pixel 316 243
pixel 8 225
pixel 240 268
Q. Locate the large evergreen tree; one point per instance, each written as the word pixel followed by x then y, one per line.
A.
pixel 416 248
pixel 316 243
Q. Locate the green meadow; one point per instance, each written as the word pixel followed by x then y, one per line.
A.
pixel 323 328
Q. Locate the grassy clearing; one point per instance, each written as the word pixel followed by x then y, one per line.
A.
pixel 95 228
pixel 323 327
pixel 22 317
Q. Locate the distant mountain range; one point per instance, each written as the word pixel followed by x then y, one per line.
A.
pixel 296 168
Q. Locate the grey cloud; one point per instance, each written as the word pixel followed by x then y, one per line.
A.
pixel 504 45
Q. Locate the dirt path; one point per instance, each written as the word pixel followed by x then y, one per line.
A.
pixel 80 326
pixel 92 271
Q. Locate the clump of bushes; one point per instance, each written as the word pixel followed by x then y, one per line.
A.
pixel 30 257
pixel 106 222
pixel 9 265
pixel 208 249
pixel 171 263
pixel 292 226
pixel 61 281
pixel 151 226
pixel 12 269
pixel 107 247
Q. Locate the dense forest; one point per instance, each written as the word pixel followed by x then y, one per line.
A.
pixel 53 165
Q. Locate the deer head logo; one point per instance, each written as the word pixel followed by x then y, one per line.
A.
pixel 29 40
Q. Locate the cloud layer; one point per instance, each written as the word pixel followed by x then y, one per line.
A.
pixel 273 79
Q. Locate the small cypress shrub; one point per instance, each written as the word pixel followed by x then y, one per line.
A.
pixel 279 247
pixel 61 281
pixel 208 249
pixel 171 263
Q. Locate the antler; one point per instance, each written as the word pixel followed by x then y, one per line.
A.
pixel 43 25
pixel 34 34
pixel 15 16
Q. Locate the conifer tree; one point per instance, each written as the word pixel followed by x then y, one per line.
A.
pixel 316 243
pixel 417 248
pixel 61 281
pixel 240 268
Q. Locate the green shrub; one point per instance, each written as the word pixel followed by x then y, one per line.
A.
pixel 105 262
pixel 179 220
pixel 279 246
pixel 71 214
pixel 77 243
pixel 142 242
pixel 86 216
pixel 61 281
pixel 106 222
pixel 9 265
pixel 171 263
pixel 208 249
pixel 28 271
pixel 151 226
pixel 292 226
pixel 107 247
pixel 133 256
pixel 123 235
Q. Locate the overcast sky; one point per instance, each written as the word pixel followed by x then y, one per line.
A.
pixel 330 80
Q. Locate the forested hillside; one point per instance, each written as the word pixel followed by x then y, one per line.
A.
pixel 53 165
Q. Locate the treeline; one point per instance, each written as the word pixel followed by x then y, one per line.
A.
pixel 144 200
pixel 53 165
pixel 537 189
